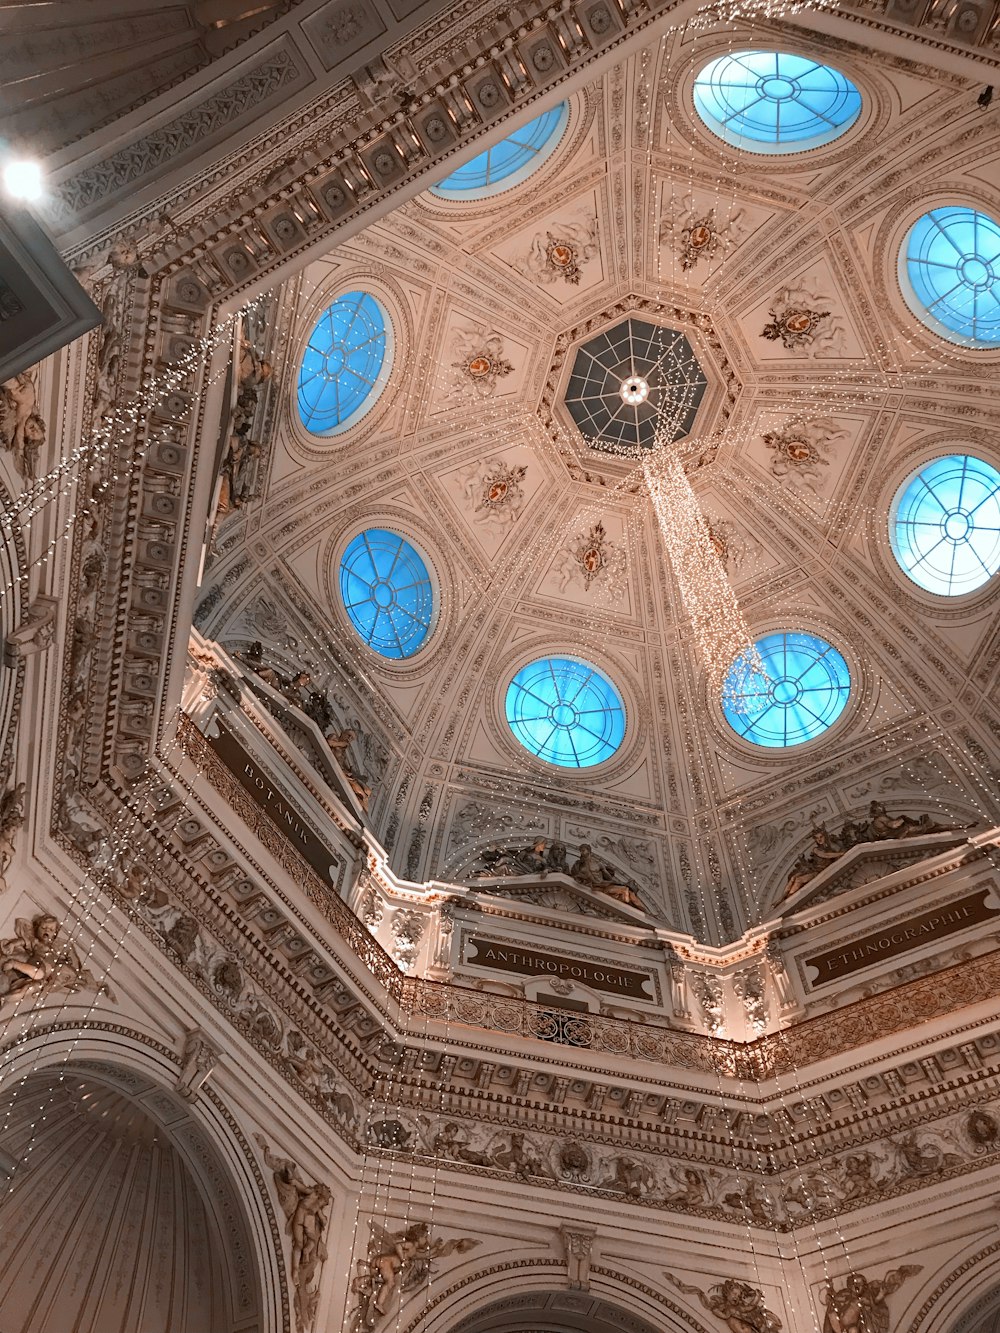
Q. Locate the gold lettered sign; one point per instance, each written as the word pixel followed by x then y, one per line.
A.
pixel 533 963
pixel 936 924
pixel 261 790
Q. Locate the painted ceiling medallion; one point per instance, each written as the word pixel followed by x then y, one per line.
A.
pixel 632 379
pixel 697 233
pixel 804 322
pixel 501 489
pixel 592 554
pixel 559 256
pixel 796 326
pixel 800 450
pixel 478 361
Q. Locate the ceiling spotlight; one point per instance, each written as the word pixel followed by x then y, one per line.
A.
pixel 23 179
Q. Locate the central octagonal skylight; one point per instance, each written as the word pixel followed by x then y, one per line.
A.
pixel 627 378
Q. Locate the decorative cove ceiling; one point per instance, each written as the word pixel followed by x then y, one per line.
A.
pixel 822 394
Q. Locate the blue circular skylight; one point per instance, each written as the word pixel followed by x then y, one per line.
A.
pixel 804 690
pixel 949 270
pixel 387 592
pixel 509 162
pixel 345 365
pixel 565 712
pixel 775 102
pixel 944 525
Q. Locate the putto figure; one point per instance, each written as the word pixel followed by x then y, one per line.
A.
pixel 35 962
pixel 307 1211
pixel 740 1306
pixel 398 1262
pixel 861 1304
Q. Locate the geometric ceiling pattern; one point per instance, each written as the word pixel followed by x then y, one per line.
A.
pixel 820 394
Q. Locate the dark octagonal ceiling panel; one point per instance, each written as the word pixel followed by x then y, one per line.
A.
pixel 661 375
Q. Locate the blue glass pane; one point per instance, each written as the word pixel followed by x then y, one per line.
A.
pixel 774 102
pixel 508 162
pixel 565 712
pixel 944 525
pixel 949 271
pixel 387 592
pixel 345 363
pixel 803 691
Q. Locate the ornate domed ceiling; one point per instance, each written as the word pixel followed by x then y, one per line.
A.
pixel 808 394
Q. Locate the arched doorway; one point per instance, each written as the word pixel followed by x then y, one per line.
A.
pixel 117 1212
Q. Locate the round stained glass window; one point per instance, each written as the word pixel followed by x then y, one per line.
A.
pixel 803 691
pixel 944 525
pixel 949 271
pixel 775 102
pixel 565 712
pixel 509 162
pixel 345 365
pixel 387 592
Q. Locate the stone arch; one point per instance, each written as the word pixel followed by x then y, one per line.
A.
pixel 966 1299
pixel 108 1095
pixel 532 1296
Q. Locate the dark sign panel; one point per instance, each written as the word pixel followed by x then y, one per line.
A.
pixel 533 963
pixel 900 938
pixel 261 790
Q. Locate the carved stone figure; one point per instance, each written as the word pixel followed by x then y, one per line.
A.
pixel 35 962
pixel 578 1242
pixel 407 930
pixel 200 1058
pixel 738 1305
pixel 879 827
pixel 22 430
pixel 307 1212
pixel 587 870
pixel 11 819
pixel 37 630
pixel 521 1157
pixel 749 987
pixel 861 1304
pixel 708 992
pixel 397 1262
pixel 630 1177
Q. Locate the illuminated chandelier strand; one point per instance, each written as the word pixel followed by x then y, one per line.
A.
pixel 721 634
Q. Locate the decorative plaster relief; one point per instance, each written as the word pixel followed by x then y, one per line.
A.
pixel 216 114
pixel 22 428
pixel 700 232
pixel 307 1214
pixel 11 819
pixel 590 557
pixel 35 962
pixel 478 362
pixel 398 1262
pixel 806 323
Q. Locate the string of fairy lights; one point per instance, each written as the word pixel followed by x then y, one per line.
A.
pixel 701 611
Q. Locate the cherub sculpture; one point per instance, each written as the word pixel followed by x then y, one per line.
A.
pixel 740 1306
pixel 860 1306
pixel 36 963
pixel 11 819
pixel 307 1212
pixel 397 1263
